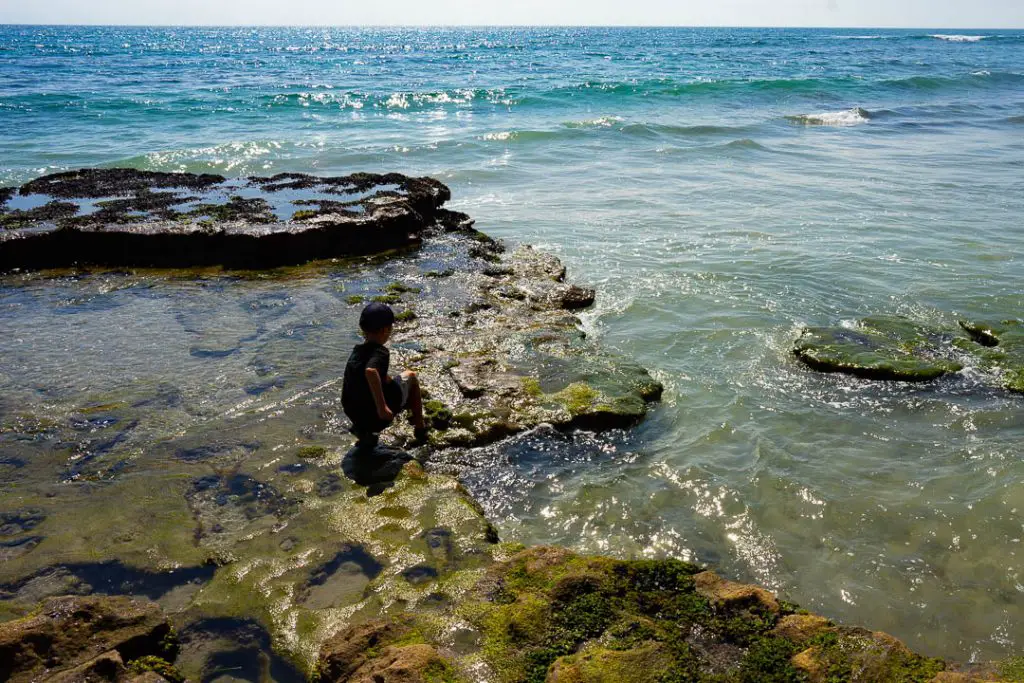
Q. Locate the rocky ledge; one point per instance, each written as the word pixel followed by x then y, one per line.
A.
pixel 126 218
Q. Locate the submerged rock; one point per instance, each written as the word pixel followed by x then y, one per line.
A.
pixel 894 348
pixel 124 217
pixel 1000 346
pixel 879 348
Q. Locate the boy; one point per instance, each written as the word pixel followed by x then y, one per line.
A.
pixel 371 398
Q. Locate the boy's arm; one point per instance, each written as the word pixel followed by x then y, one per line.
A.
pixel 377 391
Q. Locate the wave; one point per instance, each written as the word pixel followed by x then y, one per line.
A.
pixel 607 95
pixel 850 117
pixel 957 37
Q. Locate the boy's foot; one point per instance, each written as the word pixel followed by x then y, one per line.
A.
pixel 419 436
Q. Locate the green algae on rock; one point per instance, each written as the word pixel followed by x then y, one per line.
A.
pixel 879 348
pixel 1000 347
pixel 549 615
pixel 83 638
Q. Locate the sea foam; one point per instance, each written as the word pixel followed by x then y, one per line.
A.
pixel 957 38
pixel 850 117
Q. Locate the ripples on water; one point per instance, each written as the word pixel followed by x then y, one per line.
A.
pixel 721 187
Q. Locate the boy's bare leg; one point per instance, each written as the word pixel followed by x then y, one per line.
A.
pixel 415 399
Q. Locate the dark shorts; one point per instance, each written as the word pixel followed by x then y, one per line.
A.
pixel 396 396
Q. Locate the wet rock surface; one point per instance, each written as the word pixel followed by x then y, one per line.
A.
pixel 124 217
pixel 547 614
pixel 877 348
pixel 893 348
pixel 83 638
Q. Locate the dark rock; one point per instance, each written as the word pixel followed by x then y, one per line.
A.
pixel 201 220
pixel 573 297
pixel 112 182
pixel 71 631
pixel 18 521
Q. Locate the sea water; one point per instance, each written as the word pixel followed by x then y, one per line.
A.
pixel 722 188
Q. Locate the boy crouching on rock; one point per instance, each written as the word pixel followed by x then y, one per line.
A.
pixel 370 397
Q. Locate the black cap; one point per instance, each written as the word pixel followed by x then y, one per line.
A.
pixel 376 316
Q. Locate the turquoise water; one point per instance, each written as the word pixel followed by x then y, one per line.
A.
pixel 721 188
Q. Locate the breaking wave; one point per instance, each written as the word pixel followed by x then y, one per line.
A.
pixel 850 117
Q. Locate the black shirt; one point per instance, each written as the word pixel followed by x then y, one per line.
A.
pixel 356 398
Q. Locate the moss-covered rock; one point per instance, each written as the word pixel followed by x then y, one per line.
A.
pixel 71 632
pixel 157 665
pixel 880 348
pixel 1000 347
pixel 549 615
pixel 857 655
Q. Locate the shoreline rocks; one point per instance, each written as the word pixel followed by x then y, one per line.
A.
pixel 549 615
pixel 262 553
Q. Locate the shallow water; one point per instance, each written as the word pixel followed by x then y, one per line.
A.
pixel 721 188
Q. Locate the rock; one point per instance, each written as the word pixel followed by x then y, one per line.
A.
pixel 348 650
pixel 733 595
pixel 646 664
pixel 1000 347
pixel 878 348
pixel 802 627
pixel 571 297
pixel 418 663
pixel 123 217
pixel 107 667
pixel 861 656
pixel 147 677
pixel 954 677
pixel 71 632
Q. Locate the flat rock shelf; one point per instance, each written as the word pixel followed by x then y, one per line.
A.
pixel 123 217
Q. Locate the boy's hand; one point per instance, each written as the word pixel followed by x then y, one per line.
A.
pixel 386 414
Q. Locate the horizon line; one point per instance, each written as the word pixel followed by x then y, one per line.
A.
pixel 517 26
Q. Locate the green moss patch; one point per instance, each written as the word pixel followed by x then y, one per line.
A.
pixel 156 665
pixel 548 611
pixel 405 316
pixel 857 655
pixel 401 288
pixel 878 348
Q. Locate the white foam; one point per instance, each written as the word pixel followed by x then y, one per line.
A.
pixel 504 135
pixel 957 38
pixel 850 117
pixel 602 122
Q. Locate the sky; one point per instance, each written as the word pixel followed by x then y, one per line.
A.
pixel 832 13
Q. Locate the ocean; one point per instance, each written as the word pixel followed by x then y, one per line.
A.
pixel 721 188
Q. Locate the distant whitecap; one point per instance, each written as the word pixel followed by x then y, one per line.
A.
pixel 957 38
